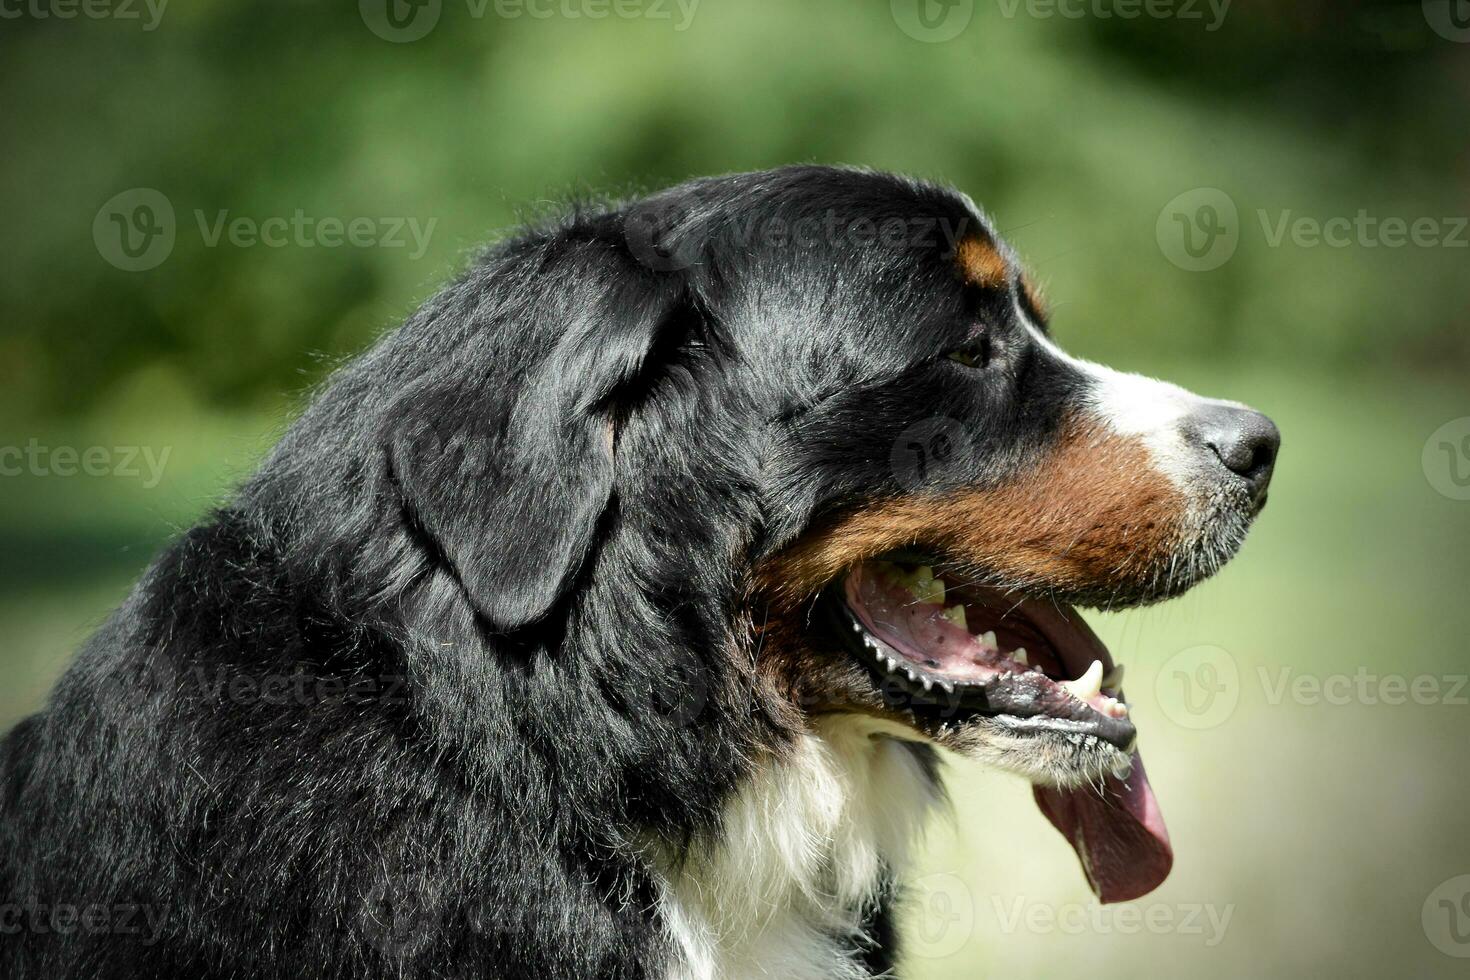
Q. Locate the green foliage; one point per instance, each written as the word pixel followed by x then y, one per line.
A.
pixel 1073 133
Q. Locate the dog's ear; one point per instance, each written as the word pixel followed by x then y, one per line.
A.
pixel 505 457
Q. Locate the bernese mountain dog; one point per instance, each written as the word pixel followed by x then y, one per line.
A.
pixel 606 619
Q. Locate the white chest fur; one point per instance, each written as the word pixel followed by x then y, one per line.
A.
pixel 781 893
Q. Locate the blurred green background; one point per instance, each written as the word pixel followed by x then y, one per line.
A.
pixel 1162 173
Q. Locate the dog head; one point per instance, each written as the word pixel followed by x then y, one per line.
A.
pixel 811 425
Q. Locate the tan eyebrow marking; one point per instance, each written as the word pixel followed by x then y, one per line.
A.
pixel 1035 296
pixel 981 263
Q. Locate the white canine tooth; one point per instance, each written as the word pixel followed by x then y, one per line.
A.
pixel 988 639
pixel 947 685
pixel 910 671
pixel 1089 685
pixel 1019 656
pixel 928 684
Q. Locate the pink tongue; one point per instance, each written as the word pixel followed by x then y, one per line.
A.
pixel 1119 833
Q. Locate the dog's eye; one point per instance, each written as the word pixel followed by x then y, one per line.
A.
pixel 975 354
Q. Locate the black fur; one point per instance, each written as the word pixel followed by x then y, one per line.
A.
pixel 410 704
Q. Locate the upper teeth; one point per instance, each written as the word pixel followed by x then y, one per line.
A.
pixel 922 583
pixel 1089 685
pixel 926 587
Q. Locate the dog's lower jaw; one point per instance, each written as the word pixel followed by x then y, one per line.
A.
pixel 1061 760
pixel 803 855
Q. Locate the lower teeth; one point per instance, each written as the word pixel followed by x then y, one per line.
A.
pixel 1084 688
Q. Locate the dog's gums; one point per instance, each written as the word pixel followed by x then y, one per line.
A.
pixel 902 617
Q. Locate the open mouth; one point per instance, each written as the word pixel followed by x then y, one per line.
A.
pixel 946 648
pixel 950 652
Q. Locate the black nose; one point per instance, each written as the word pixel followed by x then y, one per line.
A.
pixel 1244 440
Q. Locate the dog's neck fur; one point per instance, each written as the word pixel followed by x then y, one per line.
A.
pixel 805 850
